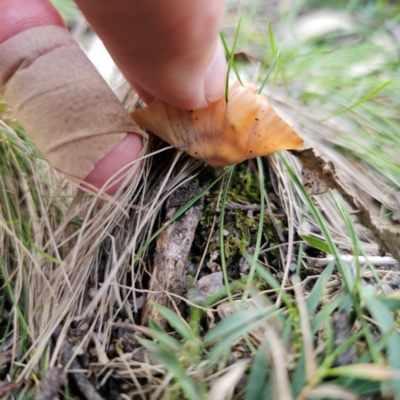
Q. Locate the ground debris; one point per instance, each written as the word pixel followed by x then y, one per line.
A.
pixel 50 384
pixel 312 182
pixel 396 209
pixel 172 253
pixel 80 379
pixel 242 207
pixel 388 237
pixel 6 357
pixel 208 285
pixel 342 329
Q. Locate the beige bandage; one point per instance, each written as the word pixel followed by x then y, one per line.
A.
pixel 61 100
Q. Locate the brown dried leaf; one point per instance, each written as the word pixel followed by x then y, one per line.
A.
pixel 7 387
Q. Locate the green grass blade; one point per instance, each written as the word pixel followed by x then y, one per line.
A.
pixel 222 238
pixel 317 243
pixel 383 316
pixel 166 341
pixel 258 375
pixel 231 56
pixel 47 256
pixel 175 321
pixel 315 295
pixel 237 320
pixel 359 102
pixel 269 72
pixel 253 264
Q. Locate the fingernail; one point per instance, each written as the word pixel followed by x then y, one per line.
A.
pixel 214 84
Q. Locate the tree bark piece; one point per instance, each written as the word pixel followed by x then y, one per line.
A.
pixel 172 253
pixel 388 237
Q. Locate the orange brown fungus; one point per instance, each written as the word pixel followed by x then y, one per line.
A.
pixel 224 133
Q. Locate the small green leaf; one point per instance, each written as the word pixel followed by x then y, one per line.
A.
pixel 47 256
pixel 392 303
pixel 265 274
pixel 233 328
pixel 317 243
pixel 175 321
pixel 236 321
pixel 165 340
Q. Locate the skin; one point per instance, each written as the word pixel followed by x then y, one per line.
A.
pixel 165 49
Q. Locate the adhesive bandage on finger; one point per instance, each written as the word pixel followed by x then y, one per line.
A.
pixel 61 100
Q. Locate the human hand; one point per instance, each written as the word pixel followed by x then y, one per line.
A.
pixel 165 49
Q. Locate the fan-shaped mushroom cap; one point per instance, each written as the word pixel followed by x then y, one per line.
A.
pixel 224 133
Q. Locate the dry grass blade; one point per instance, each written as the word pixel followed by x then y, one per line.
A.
pixel 277 354
pixel 329 392
pixel 224 387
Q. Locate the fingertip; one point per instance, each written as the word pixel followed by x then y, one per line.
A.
pixel 114 163
pixel 20 15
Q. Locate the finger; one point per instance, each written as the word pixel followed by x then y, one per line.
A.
pixel 171 48
pixel 59 97
pixel 19 15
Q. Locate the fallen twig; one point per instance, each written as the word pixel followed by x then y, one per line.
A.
pixel 172 252
pixel 374 260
